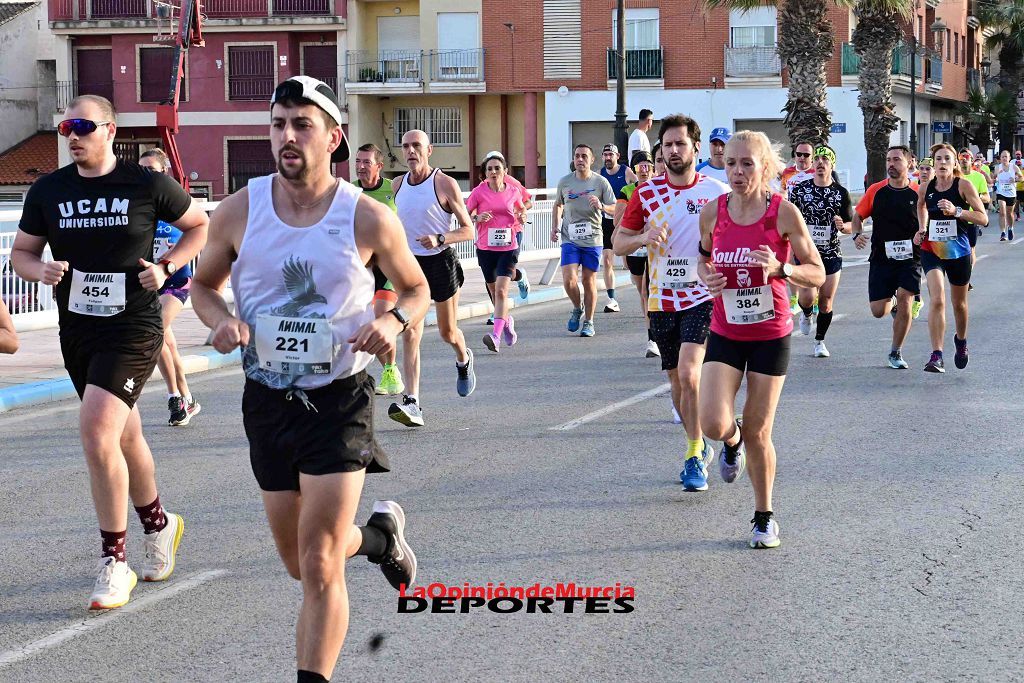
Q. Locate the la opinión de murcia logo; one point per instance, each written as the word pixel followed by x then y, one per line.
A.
pixel 560 598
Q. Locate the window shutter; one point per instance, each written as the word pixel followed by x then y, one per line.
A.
pixel 562 39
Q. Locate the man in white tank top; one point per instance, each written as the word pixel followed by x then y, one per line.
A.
pixel 427 199
pixel 307 331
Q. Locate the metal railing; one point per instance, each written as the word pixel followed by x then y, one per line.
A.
pixel 851 60
pixel 901 62
pixel 933 73
pixel 752 61
pixel 230 9
pixel 454 66
pixel 973 79
pixel 383 66
pixel 80 10
pixel 648 63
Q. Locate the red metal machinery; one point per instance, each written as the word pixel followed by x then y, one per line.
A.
pixel 189 34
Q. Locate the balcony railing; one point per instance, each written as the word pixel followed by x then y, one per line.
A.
pixel 80 10
pixel 456 66
pixel 640 64
pixel 384 66
pixel 900 62
pixel 752 61
pixel 973 79
pixel 851 60
pixel 933 73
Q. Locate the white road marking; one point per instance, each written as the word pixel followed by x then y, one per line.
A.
pixel 590 417
pixel 93 623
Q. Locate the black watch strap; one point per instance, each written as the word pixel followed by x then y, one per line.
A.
pixel 397 312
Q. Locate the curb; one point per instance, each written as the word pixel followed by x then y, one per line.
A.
pixel 51 390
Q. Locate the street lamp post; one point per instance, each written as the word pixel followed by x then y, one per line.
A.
pixel 938 28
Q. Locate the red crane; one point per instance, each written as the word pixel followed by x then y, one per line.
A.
pixel 190 34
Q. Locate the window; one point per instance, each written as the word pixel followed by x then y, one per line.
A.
pixel 642 29
pixel 963 50
pixel 155 65
pixel 321 62
pixel 459 55
pixel 94 69
pixel 949 36
pixel 251 72
pixel 956 48
pixel 442 124
pixel 755 28
pixel 563 31
pixel 248 159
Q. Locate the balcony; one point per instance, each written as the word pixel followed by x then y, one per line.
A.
pixel 69 90
pixel 647 64
pixel 756 65
pixel 973 79
pixel 933 74
pixel 383 71
pixel 146 13
pixel 456 70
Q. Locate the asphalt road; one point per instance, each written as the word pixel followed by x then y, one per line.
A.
pixel 898 496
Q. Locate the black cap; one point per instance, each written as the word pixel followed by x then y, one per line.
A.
pixel 640 156
pixel 317 93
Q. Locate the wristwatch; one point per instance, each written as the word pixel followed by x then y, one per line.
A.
pixel 440 238
pixel 400 314
pixel 169 267
pixel 959 211
pixel 787 270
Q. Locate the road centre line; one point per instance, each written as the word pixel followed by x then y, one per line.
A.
pixel 590 417
pixel 93 623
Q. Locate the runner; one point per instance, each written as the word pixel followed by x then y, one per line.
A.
pixel 944 207
pixel 497 209
pixel 618 176
pixel 99 216
pixel 297 245
pixel 894 271
pixel 8 335
pixel 801 170
pixel 427 200
pixel 643 167
pixel 926 171
pixel 173 295
pixel 745 243
pixel 663 215
pixel 369 164
pixel 825 206
pixel 714 166
pixel 981 181
pixel 638 141
pixel 581 198
pixel 520 277
pixel 1006 177
pixel 1018 161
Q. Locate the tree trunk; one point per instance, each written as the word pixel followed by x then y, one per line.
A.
pixel 805 47
pixel 874 39
pixel 1010 78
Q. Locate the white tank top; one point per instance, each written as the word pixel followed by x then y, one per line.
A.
pixel 420 212
pixel 309 289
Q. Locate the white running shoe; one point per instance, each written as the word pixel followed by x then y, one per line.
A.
pixel 652 350
pixel 820 350
pixel 676 420
pixel 768 537
pixel 612 306
pixel 113 586
pixel 161 548
pixel 805 324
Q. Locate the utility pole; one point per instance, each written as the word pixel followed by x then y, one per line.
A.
pixel 621 135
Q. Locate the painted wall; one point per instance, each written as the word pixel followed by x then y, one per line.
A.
pixel 18 98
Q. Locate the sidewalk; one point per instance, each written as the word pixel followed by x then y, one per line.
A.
pixel 36 373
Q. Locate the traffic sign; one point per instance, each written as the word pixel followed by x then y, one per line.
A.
pixel 838 127
pixel 945 127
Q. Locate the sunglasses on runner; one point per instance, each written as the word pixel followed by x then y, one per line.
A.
pixel 802 155
pixel 79 127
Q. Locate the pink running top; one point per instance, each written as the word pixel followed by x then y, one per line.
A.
pixel 749 309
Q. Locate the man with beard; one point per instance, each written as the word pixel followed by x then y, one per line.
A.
pixel 664 215
pixel 296 245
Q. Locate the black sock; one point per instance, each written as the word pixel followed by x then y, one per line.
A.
pixel 761 519
pixel 917 298
pixel 311 677
pixel 649 337
pixel 375 542
pixel 808 310
pixel 519 276
pixel 824 320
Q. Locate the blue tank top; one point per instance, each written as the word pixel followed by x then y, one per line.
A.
pixel 617 180
pixel 166 237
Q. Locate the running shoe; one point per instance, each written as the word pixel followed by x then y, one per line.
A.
pixel 612 306
pixel 1002 237
pixel 731 465
pixel 492 342
pixel 896 361
pixel 892 311
pixel 193 407
pixel 408 412
pixel 805 325
pixel 179 413
pixel 765 532
pixel 820 350
pixel 509 334
pixel 652 350
pixel 161 548
pixel 935 364
pixel 524 285
pixel 794 307
pixel 588 329
pixel 960 357
pixel 1009 234
pixel 391 383
pixel 398 563
pixel 574 320
pixel 490 319
pixel 695 470
pixel 676 417
pixel 915 309
pixel 466 381
pixel 113 587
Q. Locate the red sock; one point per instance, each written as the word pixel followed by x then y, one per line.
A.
pixel 113 544
pixel 152 516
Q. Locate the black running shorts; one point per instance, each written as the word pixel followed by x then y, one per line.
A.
pixel 972 234
pixel 607 228
pixel 833 264
pixel 444 274
pixel 1009 201
pixel 885 277
pixel 768 357
pixel 671 329
pixel 286 437
pixel 118 363
pixel 637 265
pixel 495 264
pixel 957 270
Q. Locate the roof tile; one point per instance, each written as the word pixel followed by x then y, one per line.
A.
pixel 29 159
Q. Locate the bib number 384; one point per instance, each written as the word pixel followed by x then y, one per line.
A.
pixel 294 346
pixel 97 294
pixel 748 305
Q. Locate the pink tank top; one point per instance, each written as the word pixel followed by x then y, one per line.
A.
pixel 749 309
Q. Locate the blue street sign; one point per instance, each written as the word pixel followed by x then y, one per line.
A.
pixel 945 127
pixel 838 127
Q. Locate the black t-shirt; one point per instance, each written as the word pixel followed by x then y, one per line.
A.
pixel 820 206
pixel 893 212
pixel 104 225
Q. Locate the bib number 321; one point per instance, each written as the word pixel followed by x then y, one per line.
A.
pixel 294 346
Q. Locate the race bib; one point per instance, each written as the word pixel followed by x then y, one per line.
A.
pixel 820 234
pixel 294 346
pixel 1007 189
pixel 98 294
pixel 640 253
pixel 677 273
pixel 899 250
pixel 943 230
pixel 161 245
pixel 499 237
pixel 749 305
pixel 580 231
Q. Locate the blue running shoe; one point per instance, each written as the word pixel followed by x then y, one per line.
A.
pixel 695 474
pixel 588 329
pixel 574 320
pixel 465 383
pixel 524 285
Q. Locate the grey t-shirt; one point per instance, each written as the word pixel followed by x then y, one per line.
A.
pixel 581 222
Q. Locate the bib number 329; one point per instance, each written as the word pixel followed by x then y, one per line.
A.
pixel 97 294
pixel 580 231
pixel 748 305
pixel 294 346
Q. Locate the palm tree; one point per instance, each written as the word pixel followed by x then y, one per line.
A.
pixel 1007 18
pixel 806 44
pixel 982 112
pixel 880 26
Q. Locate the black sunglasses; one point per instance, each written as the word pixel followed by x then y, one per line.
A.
pixel 802 155
pixel 79 127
